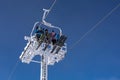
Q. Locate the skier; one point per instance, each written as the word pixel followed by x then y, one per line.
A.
pixel 41 38
pixel 59 43
pixel 47 39
pixel 53 34
pixel 57 37
pixel 37 32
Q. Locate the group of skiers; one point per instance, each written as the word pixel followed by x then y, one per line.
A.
pixel 43 35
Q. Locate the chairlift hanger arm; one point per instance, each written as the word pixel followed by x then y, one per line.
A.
pixel 49 24
pixel 46 12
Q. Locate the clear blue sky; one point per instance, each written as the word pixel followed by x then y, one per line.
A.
pixel 96 57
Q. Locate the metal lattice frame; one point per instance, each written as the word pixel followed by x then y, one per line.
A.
pixel 30 52
pixel 47 58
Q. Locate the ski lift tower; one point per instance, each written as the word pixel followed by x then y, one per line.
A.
pixel 52 54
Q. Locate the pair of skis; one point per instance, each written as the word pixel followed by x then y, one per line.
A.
pixel 56 46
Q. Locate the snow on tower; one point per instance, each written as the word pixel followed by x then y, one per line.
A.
pixel 49 52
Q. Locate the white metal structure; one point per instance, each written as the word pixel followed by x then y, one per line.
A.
pixel 47 58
